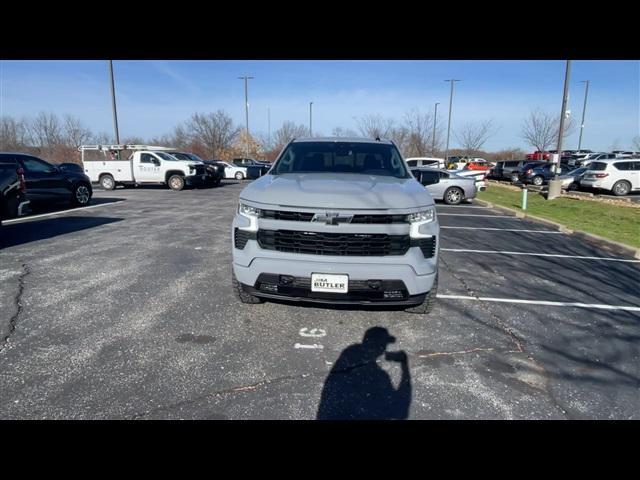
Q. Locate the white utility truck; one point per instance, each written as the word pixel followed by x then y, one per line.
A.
pixel 145 164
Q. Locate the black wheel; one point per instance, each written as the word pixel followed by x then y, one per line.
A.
pixel 572 187
pixel 429 301
pixel 514 178
pixel 176 182
pixel 621 188
pixel 107 182
pixel 243 296
pixel 80 195
pixel 453 196
pixel 537 180
pixel 239 176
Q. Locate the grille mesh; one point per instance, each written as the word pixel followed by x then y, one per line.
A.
pixel 340 244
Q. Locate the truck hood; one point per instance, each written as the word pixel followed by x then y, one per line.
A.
pixel 337 190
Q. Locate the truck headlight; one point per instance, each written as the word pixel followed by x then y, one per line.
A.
pixel 425 216
pixel 248 211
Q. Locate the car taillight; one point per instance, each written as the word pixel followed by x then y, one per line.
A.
pixel 23 184
pixel 601 175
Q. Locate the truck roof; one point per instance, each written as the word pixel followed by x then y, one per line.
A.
pixel 341 139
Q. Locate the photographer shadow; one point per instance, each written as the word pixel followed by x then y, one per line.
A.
pixel 357 388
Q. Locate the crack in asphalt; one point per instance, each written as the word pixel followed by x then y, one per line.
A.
pixel 505 328
pixel 18 303
pixel 248 388
pixel 517 341
pixel 462 352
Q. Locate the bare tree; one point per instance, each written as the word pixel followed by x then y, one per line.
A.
pixel 373 126
pixel 343 132
pixel 540 129
pixel 45 131
pixel 287 132
pixel 636 143
pixel 216 132
pixel 102 138
pixel 13 134
pixel 75 133
pixel 418 139
pixel 473 135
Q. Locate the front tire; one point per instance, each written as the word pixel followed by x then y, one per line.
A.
pixel 537 181
pixel 239 175
pixel 176 183
pixel 621 188
pixel 453 196
pixel 429 301
pixel 107 182
pixel 80 195
pixel 243 296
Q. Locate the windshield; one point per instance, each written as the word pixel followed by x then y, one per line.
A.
pixel 341 157
pixel 577 171
pixel 181 156
pixel 166 156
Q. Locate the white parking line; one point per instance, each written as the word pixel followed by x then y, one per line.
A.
pixel 543 302
pixel 461 206
pixel 475 215
pixel 42 215
pixel 503 229
pixel 556 255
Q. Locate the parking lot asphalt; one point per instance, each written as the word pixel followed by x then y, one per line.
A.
pixel 125 311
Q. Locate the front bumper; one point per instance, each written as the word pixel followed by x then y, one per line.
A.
pixel 194 180
pixel 413 270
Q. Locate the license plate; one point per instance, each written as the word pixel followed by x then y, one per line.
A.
pixel 322 282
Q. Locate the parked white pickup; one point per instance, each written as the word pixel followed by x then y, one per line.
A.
pixel 144 166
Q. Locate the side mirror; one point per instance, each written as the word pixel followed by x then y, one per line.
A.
pixel 156 162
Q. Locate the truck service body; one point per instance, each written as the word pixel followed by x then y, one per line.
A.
pixel 145 165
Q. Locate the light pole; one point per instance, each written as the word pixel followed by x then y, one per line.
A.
pixel 555 185
pixel 584 109
pixel 311 119
pixel 113 103
pixel 433 145
pixel 269 126
pixel 446 150
pixel 246 108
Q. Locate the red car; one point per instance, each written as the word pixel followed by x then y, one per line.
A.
pixel 538 155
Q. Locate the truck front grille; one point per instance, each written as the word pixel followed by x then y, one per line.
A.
pixel 427 245
pixel 339 244
pixel 358 218
pixel 241 237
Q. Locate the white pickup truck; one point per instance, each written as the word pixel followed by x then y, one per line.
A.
pixel 145 165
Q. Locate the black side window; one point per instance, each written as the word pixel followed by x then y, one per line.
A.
pixel 623 165
pixel 146 158
pixel 429 178
pixel 412 163
pixel 35 165
pixel 444 175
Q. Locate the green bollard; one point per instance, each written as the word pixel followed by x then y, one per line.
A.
pixel 524 199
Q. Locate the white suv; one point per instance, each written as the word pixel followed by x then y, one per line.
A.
pixel 618 176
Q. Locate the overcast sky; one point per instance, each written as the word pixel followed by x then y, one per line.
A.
pixel 154 96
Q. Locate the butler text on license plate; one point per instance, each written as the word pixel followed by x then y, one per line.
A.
pixel 321 282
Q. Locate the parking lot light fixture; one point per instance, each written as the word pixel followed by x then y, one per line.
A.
pixel 584 109
pixel 433 144
pixel 113 103
pixel 446 150
pixel 246 107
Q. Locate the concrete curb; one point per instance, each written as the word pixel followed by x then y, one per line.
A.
pixel 605 243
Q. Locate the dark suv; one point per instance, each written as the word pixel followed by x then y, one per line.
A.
pixel 540 174
pixel 48 183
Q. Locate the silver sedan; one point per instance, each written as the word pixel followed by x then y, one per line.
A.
pixel 446 186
